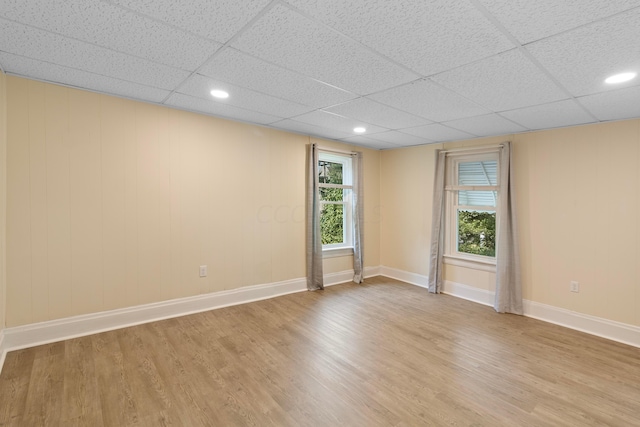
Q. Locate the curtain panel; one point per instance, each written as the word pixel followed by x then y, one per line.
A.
pixel 508 281
pixel 508 295
pixel 315 278
pixel 437 225
pixel 358 218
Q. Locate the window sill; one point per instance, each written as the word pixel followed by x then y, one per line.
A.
pixel 337 252
pixel 473 263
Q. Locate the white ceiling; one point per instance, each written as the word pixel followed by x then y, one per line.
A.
pixel 410 71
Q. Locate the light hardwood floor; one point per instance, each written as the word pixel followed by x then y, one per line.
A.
pixel 380 354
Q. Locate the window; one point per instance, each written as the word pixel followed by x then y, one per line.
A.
pixel 472 201
pixel 336 185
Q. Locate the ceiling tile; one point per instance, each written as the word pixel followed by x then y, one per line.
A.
pixel 373 112
pixel 557 114
pixel 240 69
pixel 369 143
pixel 487 125
pixel 309 129
pixel 339 123
pixel 426 99
pixel 68 76
pixel 401 139
pixel 532 20
pixel 426 36
pixel 199 105
pixel 330 65
pixel 438 132
pixel 201 86
pixel 295 42
pixel 581 59
pixel 112 27
pixel 217 20
pixel 44 46
pixel 614 105
pixel 503 82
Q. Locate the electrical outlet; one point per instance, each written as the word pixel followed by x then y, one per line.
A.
pixel 203 271
pixel 574 286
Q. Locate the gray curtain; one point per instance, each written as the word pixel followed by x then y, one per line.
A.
pixel 358 217
pixel 508 285
pixel 437 226
pixel 315 278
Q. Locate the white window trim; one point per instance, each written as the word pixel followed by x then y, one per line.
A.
pixel 474 263
pixel 337 252
pixel 451 255
pixel 346 248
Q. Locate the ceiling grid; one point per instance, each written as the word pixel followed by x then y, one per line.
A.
pixel 411 71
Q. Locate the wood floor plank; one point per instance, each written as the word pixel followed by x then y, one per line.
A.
pixel 116 396
pixel 189 392
pixel 14 385
pixel 382 353
pixel 81 398
pixel 44 398
pixel 149 390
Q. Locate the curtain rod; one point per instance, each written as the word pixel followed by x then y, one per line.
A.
pixel 484 147
pixel 333 150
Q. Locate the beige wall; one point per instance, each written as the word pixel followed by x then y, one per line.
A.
pixel 406 184
pixel 578 198
pixel 3 195
pixel 114 203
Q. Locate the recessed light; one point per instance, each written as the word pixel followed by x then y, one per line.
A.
pixel 620 78
pixel 359 130
pixel 217 93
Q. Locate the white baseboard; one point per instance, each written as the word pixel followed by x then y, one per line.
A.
pixel 371 271
pixel 609 329
pixel 331 279
pixel 72 327
pixel 450 288
pixel 405 276
pixel 605 328
pixel 77 326
pixel 481 296
pixel 3 350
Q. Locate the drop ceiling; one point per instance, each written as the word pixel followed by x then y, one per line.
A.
pixel 409 71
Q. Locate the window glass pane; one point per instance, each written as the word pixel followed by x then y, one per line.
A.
pixel 332 194
pixel 477 232
pixel 332 224
pixel 330 172
pixel 477 198
pixel 478 173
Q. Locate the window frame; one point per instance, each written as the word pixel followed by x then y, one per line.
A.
pixel 345 248
pixel 452 187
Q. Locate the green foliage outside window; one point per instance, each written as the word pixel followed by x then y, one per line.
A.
pixel 331 224
pixel 477 233
pixel 331 215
